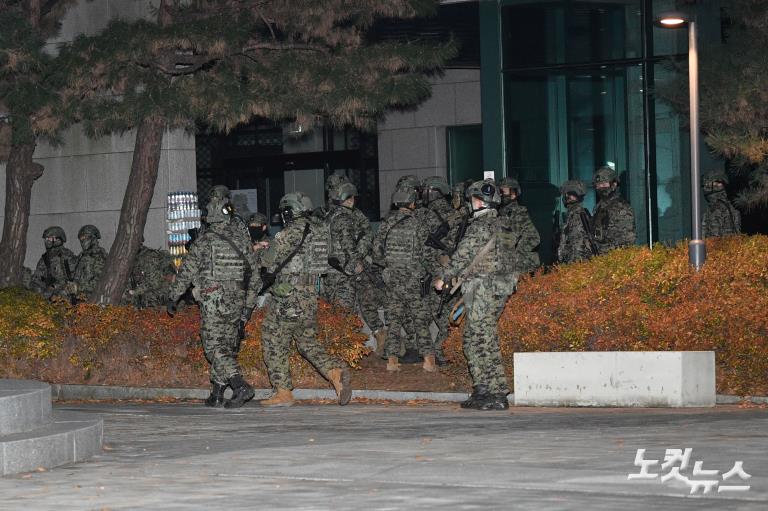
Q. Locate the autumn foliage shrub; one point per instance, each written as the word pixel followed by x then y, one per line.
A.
pixel 88 343
pixel 638 299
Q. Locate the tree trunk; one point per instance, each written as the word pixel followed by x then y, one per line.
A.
pixel 20 174
pixel 133 215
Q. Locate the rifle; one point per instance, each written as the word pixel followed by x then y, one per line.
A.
pixel 587 224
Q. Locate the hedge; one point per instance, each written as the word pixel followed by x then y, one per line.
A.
pixel 633 299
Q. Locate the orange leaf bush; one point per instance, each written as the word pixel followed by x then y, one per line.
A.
pixel 88 343
pixel 637 299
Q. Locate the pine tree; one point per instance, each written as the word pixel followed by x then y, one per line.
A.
pixel 224 62
pixel 29 87
pixel 734 97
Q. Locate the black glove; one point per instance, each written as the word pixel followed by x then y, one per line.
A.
pixel 241 330
pixel 170 307
pixel 267 279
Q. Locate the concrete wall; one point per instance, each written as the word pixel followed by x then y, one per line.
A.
pixel 414 142
pixel 84 180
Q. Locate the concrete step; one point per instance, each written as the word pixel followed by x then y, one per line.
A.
pixel 67 438
pixel 24 405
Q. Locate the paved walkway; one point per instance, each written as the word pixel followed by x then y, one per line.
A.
pixel 185 457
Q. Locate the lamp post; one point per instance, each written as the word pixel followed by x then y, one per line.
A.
pixel 697 250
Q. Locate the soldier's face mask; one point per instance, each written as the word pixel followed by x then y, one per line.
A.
pixel 257 232
pixel 52 241
pixel 605 189
pixel 86 242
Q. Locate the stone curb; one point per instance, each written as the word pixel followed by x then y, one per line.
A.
pixel 66 392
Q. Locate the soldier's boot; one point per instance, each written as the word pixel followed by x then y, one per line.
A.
pixel 242 392
pixel 430 364
pixel 216 399
pixel 281 397
pixel 393 364
pixel 479 395
pixel 381 337
pixel 495 402
pixel 341 379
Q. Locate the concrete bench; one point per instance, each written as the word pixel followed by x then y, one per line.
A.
pixel 615 378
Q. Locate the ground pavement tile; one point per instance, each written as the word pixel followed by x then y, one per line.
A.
pixel 186 456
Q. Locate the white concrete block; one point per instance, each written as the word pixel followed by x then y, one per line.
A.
pixel 107 179
pixel 457 76
pixel 61 188
pixel 615 378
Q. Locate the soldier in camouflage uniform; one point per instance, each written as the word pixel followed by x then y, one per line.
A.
pixel 529 240
pixel 54 273
pixel 436 196
pixel 90 262
pixel 348 247
pixel 483 265
pixel 613 218
pixel 295 262
pixel 399 246
pixel 150 278
pixel 222 268
pixel 576 239
pixel 437 229
pixel 720 218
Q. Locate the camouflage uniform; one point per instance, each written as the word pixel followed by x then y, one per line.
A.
pixel 613 219
pixel 369 296
pixel 259 233
pixel 527 246
pixel 720 217
pixel 399 245
pixel 55 270
pixel 90 262
pixel 488 280
pixel 292 315
pixel 350 243
pixel 150 278
pixel 218 265
pixel 575 242
pixel 452 222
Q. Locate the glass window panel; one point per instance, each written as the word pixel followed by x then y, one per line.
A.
pixel 672 166
pixel 540 33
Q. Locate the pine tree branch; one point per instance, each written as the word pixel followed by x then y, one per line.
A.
pixel 285 46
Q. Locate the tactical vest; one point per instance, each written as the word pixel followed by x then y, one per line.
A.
pixel 312 259
pixel 226 262
pixel 401 249
pixel 501 258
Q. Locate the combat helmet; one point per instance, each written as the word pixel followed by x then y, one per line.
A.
pixel 605 174
pixel 574 187
pixel 257 219
pixel 486 190
pixel 408 181
pixel 294 205
pixel 90 231
pixel 55 231
pixel 714 175
pixel 404 198
pixel 343 192
pixel 220 192
pixel 437 183
pixel 511 183
pixel 334 181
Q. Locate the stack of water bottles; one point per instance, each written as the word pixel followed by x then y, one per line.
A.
pixel 183 216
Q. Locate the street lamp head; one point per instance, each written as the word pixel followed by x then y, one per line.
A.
pixel 671 19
